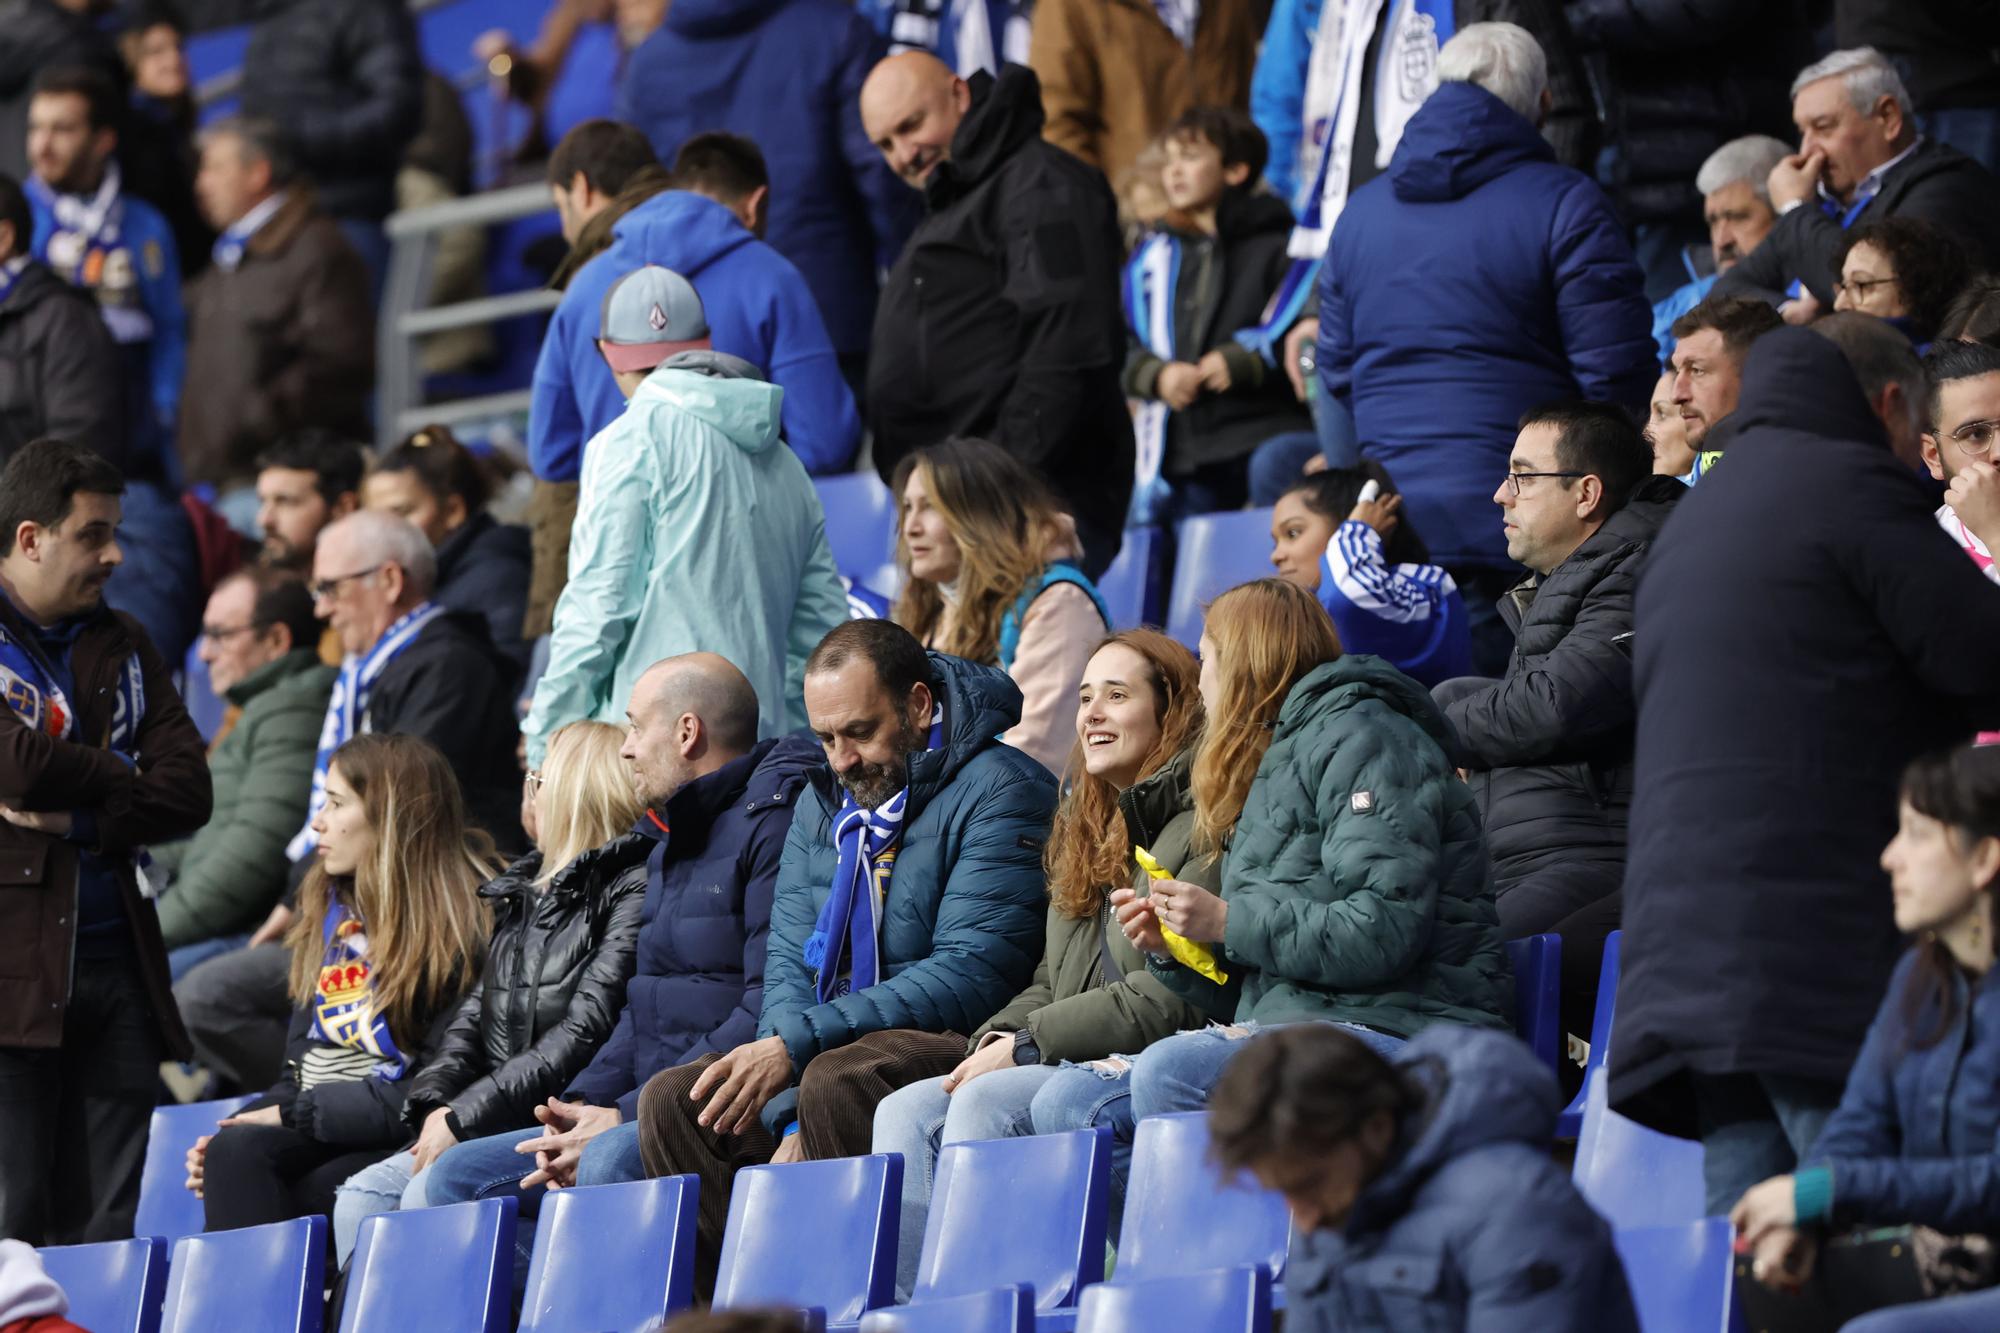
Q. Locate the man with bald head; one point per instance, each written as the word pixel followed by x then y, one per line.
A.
pixel 1001 319
pixel 718 805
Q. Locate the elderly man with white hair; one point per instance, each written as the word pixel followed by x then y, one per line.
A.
pixel 1736 205
pixel 1861 158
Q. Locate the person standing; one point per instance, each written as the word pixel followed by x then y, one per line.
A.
pixel 58 364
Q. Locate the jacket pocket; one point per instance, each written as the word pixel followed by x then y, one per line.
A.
pixel 1407 1293
pixel 22 867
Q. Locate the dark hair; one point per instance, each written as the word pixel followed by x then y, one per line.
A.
pixel 1960 789
pixel 609 153
pixel 900 662
pixel 1956 361
pixel 94 86
pixel 1334 492
pixel 335 460
pixel 40 484
pixel 444 466
pixel 1601 440
pixel 1974 315
pixel 1931 265
pixel 261 141
pixel 1230 132
pixel 728 165
pixel 1877 352
pixel 15 212
pixel 1302 1092
pixel 1741 320
pixel 281 599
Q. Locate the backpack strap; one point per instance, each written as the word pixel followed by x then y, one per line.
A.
pixel 1062 571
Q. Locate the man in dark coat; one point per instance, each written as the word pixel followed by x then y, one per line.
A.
pixel 1806 630
pixel 97 759
pixel 1001 319
pixel 60 371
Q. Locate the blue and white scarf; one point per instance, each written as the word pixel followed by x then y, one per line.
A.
pixel 29 685
pixel 86 247
pixel 968 35
pixel 235 238
pixel 1182 17
pixel 1152 279
pixel 10 273
pixel 349 705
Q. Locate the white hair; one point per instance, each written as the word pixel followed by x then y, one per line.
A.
pixel 1869 78
pixel 1504 59
pixel 1748 159
pixel 388 539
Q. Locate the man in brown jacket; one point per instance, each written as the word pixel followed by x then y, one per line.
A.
pixel 97 760
pixel 281 332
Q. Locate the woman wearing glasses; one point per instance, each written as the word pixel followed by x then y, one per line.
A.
pixel 1904 270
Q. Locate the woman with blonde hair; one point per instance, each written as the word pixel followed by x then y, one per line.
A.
pixel 989 574
pixel 564 944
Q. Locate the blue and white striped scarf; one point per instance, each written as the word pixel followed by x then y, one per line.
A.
pixel 1152 278
pixel 29 687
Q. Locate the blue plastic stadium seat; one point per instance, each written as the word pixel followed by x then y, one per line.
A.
pixel 1570 1123
pixel 166 1209
pixel 1131 587
pixel 861 528
pixel 1216 552
pixel 1683 1278
pixel 813 1235
pixel 1001 1310
pixel 1181 1216
pixel 1028 1210
pixel 113 1287
pixel 443 1270
pixel 1220 1300
pixel 1634 1176
pixel 270 1278
pixel 1537 964
pixel 612 1256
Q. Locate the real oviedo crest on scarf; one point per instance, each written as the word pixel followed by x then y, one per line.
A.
pixel 44 711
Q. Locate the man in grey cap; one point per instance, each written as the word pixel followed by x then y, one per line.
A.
pixel 697 530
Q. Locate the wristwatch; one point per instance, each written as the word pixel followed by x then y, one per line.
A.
pixel 1025 1050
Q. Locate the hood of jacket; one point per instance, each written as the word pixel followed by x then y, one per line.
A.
pixel 598 866
pixel 1351 678
pixel 980 703
pixel 716 18
pixel 272 675
pixel 1795 379
pixel 1461 138
pixel 1006 113
pixel 724 391
pixel 482 537
pixel 677 229
pixel 1155 801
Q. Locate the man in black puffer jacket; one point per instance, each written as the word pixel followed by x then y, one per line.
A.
pixel 1548 747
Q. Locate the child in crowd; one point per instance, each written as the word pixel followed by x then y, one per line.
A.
pixel 1341 536
pixel 1209 400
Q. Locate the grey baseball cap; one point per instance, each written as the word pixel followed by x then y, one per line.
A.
pixel 650 314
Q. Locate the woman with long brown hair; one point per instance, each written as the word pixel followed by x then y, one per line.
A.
pixel 1138 713
pixel 989 574
pixel 388 936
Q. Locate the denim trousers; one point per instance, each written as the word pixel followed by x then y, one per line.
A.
pixel 1754 1127
pixel 489 1167
pixel 1972 1312
pixel 392 1183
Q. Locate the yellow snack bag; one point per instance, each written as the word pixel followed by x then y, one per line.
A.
pixel 1185 951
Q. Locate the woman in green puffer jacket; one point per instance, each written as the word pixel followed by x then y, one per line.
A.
pixel 1138 713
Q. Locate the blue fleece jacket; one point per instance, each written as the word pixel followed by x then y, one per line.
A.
pixel 758 308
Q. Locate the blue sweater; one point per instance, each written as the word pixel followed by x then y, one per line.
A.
pixel 1411 615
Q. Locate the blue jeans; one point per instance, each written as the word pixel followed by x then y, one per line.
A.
pixel 488 1168
pixel 190 956
pixel 1973 1312
pixel 390 1184
pixel 1755 1126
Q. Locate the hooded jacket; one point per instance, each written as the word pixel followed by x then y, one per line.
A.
pixel 1787 672
pixel 1002 319
pixel 1477 280
pixel 961 924
pixel 483 569
pixel 788 74
pixel 695 530
pixel 758 307
pixel 60 372
pixel 1471 1225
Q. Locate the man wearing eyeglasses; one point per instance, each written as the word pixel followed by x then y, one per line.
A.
pixel 1962 446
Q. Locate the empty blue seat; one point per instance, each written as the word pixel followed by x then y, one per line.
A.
pixel 1683 1278
pixel 1220 1300
pixel 861 517
pixel 166 1209
pixel 1570 1123
pixel 269 1278
pixel 1635 1176
pixel 1215 553
pixel 1001 1310
pixel 1181 1216
pixel 113 1287
pixel 612 1257
pixel 1026 1210
pixel 1537 964
pixel 444 1270
pixel 813 1235
pixel 1131 587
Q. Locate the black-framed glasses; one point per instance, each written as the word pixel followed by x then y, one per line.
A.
pixel 1514 479
pixel 1859 288
pixel 214 635
pixel 325 588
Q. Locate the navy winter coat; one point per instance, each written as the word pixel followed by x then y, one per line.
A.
pixel 483 569
pixel 1474 281
pixel 1473 1226
pixel 700 981
pixel 961 925
pixel 788 74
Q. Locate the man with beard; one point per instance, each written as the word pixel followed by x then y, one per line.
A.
pixel 1707 367
pixel 1959 445
pixel 909 908
pixel 304 483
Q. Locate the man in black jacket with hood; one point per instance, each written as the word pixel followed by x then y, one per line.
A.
pixel 1806 629
pixel 60 372
pixel 1001 319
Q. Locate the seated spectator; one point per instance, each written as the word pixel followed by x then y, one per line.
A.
pixel 1547 748
pixel 157 146
pixel 1710 344
pixel 1138 715
pixel 1905 270
pixel 1475 201
pixel 696 529
pixel 1912 1141
pixel 1736 205
pixel 389 935
pixel 990 575
pixel 1974 315
pixel 30 1300
pixel 697 767
pixel 1666 433
pixel 920 801
pixel 1210 400
pixel 565 928
pixel 281 332
pixel 306 482
pixel 1355 891
pixel 1964 425
pixel 60 372
pixel 1372 572
pixel 1861 158
pixel 436 483
pixel 259 642
pixel 1431 1159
